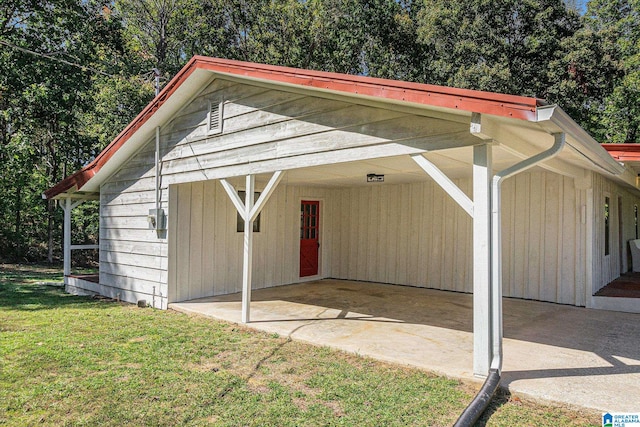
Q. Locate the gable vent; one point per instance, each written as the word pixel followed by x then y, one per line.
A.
pixel 215 117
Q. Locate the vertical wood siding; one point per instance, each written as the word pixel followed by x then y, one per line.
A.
pixel 208 247
pixel 409 234
pixel 543 254
pixel 607 268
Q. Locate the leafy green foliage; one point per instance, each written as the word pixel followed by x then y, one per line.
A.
pixel 55 117
pixel 501 46
pixel 598 74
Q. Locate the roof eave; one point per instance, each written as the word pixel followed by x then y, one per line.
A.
pixel 391 91
pixel 554 119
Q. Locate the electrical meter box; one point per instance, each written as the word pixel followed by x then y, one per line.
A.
pixel 157 219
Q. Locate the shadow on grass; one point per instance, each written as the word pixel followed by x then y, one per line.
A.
pixel 20 290
pixel 502 397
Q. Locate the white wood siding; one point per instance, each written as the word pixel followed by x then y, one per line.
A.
pixel 259 125
pixel 543 254
pixel 208 249
pixel 133 259
pixel 414 234
pixel 607 268
pixel 410 234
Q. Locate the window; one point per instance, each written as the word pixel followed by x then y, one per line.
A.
pixel 635 218
pixel 607 243
pixel 240 221
pixel 214 118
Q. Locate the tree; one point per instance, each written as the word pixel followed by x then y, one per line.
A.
pixel 597 76
pixel 501 46
pixel 618 25
pixel 53 52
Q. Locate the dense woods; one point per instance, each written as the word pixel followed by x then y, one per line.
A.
pixel 73 73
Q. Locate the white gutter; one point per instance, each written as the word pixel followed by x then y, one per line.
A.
pixel 555 120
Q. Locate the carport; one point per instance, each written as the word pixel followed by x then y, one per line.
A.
pixel 420 165
pixel 547 355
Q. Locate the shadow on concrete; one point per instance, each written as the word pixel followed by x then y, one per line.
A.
pixel 613 336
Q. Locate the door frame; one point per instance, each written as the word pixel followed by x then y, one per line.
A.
pixel 321 240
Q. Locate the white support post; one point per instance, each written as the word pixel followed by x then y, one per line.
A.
pixel 266 193
pixel 482 340
pixel 249 212
pixel 66 252
pixel 67 207
pixel 247 259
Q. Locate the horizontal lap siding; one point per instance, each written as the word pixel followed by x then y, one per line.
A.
pixel 133 259
pixel 281 130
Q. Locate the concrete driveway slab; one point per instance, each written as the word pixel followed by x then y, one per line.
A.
pixel 572 355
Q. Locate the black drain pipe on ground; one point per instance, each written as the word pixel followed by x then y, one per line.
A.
pixel 479 403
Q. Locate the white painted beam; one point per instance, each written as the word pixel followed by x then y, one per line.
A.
pixel 266 194
pixel 248 211
pixel 487 128
pixel 482 172
pixel 77 195
pixel 66 253
pixel 235 198
pixel 75 247
pixel 443 181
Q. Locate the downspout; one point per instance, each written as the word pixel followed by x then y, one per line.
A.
pixel 480 402
pixel 496 240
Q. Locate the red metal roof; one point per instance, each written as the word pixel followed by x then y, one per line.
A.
pixel 624 152
pixel 518 107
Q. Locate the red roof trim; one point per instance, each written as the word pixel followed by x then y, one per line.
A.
pixel 629 152
pixel 518 107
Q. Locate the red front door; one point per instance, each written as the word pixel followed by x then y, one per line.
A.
pixel 309 237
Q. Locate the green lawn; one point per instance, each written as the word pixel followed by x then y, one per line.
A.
pixel 67 360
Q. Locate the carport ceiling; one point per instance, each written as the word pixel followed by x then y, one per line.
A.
pixel 456 163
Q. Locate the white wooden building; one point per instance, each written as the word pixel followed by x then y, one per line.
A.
pixel 354 178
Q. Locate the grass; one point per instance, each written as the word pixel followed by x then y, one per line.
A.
pixel 67 360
